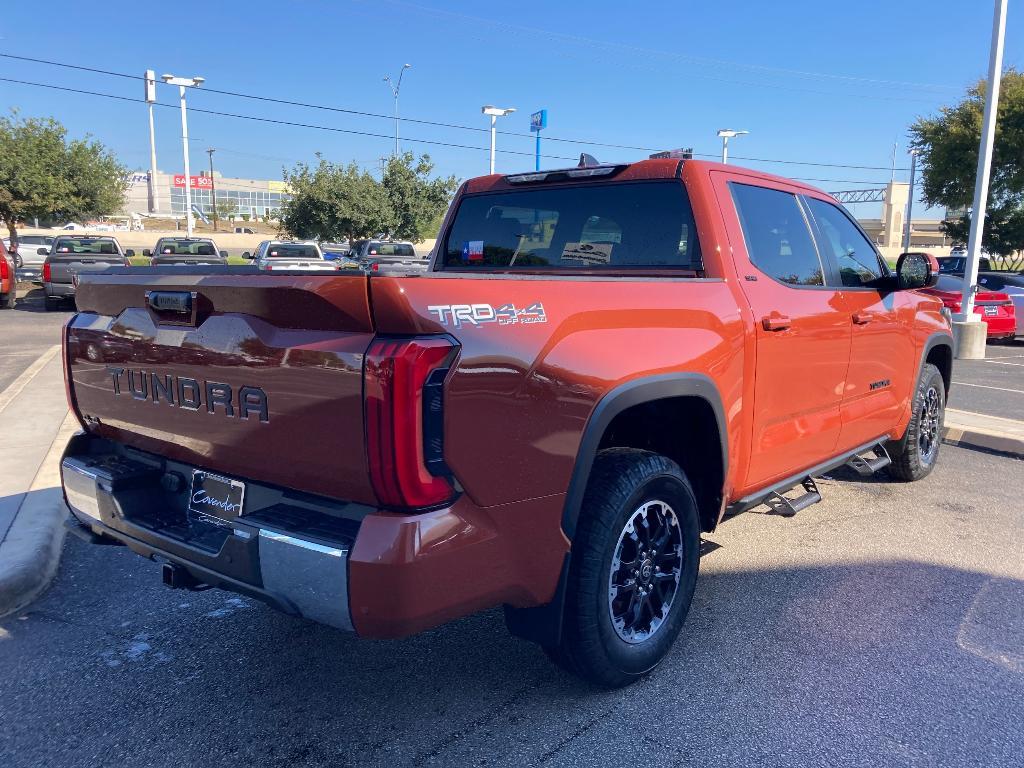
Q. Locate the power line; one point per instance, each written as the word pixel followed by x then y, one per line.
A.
pixel 433 123
pixel 290 123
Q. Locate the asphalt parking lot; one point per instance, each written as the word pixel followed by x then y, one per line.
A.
pixel 884 626
pixel 993 386
pixel 26 332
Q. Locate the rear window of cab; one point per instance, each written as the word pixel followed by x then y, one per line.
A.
pixel 84 245
pixel 604 227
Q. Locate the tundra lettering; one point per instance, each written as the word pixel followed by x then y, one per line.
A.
pixel 599 365
pixel 145 385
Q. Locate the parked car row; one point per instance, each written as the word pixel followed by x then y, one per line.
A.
pixel 993 284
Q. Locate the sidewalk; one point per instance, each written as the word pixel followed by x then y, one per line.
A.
pixel 35 425
pixel 979 430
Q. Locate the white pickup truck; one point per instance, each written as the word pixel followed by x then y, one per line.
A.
pixel 291 255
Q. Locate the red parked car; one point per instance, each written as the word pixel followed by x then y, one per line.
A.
pixel 8 278
pixel 995 308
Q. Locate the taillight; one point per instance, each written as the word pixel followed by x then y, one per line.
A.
pixel 4 269
pixel 404 390
pixel 46 272
pixel 374 267
pixel 65 344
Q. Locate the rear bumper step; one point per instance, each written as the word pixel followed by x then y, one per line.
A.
pixel 294 574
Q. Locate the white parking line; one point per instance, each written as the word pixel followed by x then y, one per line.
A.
pixel 26 376
pixel 1000 362
pixel 985 386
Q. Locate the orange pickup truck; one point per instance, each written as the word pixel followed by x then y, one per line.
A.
pixel 600 364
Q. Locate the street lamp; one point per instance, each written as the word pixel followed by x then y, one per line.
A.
pixel 395 88
pixel 183 83
pixel 910 199
pixel 725 134
pixel 494 113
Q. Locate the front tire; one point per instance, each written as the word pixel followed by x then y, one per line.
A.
pixel 634 566
pixel 914 457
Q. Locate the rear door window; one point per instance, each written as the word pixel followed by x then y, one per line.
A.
pixel 606 226
pixel 778 239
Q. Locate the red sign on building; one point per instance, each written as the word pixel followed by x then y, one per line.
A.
pixel 195 182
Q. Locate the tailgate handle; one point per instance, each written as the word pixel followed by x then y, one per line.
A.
pixel 170 301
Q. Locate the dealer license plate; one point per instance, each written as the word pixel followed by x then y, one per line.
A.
pixel 215 499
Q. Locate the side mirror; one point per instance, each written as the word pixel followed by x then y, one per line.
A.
pixel 147 252
pixel 917 270
pixel 223 254
pixel 129 253
pixel 43 251
pixel 247 256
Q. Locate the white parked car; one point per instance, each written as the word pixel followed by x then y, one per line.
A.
pixel 290 255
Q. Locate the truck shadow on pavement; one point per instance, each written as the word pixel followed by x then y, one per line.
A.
pixel 900 660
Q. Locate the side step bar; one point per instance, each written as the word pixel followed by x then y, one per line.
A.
pixel 780 505
pixel 865 467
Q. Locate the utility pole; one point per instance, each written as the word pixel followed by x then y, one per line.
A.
pixel 968 331
pixel 892 174
pixel 910 200
pixel 213 189
pixel 395 88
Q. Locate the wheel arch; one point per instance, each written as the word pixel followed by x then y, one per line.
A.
pixel 625 399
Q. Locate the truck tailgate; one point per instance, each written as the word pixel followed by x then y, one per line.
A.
pixel 254 376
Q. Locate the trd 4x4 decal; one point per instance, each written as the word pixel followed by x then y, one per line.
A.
pixel 457 315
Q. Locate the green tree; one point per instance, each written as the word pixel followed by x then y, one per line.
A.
pixel 226 209
pixel 948 143
pixel 44 175
pixel 417 201
pixel 331 201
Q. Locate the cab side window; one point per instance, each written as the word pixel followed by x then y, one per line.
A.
pixel 857 260
pixel 778 240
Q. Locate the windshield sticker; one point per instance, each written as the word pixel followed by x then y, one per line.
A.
pixel 457 315
pixel 473 250
pixel 588 253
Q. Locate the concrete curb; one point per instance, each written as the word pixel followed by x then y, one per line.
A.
pixel 990 433
pixel 30 553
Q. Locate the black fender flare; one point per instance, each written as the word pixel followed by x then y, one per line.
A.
pixel 615 401
pixel 543 624
pixel 937 339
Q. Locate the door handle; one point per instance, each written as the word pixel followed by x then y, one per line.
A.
pixel 861 318
pixel 775 322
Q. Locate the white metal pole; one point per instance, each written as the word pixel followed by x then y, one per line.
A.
pixel 725 149
pixel 188 177
pixel 910 200
pixel 152 163
pixel 493 120
pixel 988 135
pixel 396 120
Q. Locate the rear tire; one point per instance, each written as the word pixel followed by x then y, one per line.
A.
pixel 633 570
pixel 914 457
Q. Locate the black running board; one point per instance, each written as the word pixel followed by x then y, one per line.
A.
pixel 777 489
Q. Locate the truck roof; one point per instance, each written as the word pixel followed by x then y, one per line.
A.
pixel 640 170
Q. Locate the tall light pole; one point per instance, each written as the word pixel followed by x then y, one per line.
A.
pixel 183 83
pixel 725 134
pixel 213 189
pixel 395 88
pixel 150 77
pixel 968 332
pixel 910 200
pixel 494 113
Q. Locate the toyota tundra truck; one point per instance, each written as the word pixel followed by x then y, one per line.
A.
pixel 600 365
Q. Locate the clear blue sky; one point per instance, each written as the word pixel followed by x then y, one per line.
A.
pixel 811 80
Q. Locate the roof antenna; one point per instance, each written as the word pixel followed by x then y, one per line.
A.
pixel 587 161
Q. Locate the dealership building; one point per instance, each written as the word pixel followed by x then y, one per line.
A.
pixel 255 197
